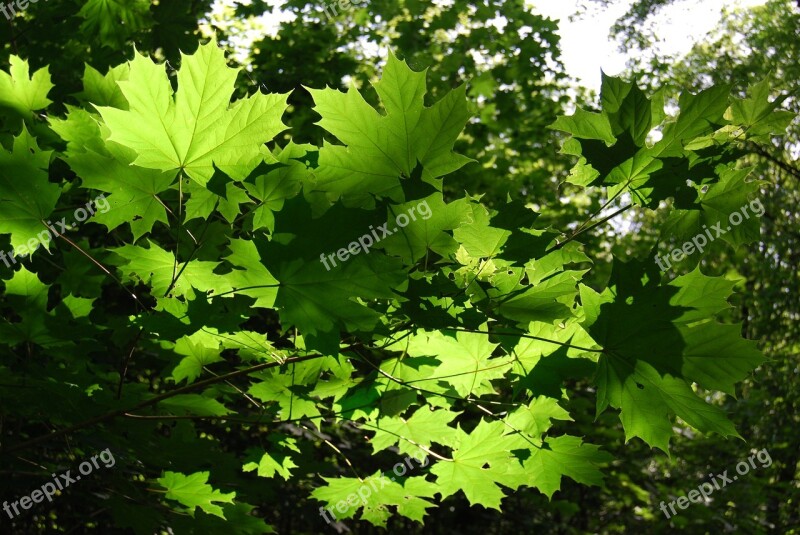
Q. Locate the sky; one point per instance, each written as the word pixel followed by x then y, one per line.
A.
pixel 586 47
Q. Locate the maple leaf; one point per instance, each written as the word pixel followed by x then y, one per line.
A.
pixel 379 149
pixel 374 494
pixel 193 491
pixel 157 267
pixel 466 361
pixel 28 295
pixel 103 89
pixel 564 456
pixel 21 92
pixel 281 182
pixel 196 128
pixel 423 427
pixel 200 349
pixel 732 194
pixel 114 20
pixel 482 461
pixel 195 405
pixel 27 197
pixel 757 114
pixel 275 461
pixel 536 418
pixel 133 190
pixel 654 346
pixel 284 390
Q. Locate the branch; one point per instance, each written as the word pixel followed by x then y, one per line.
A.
pixel 761 151
pixel 153 401
pixel 587 229
pixel 532 337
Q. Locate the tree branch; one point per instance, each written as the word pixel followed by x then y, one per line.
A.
pixel 761 151
pixel 153 401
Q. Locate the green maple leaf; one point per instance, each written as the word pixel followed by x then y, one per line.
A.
pixel 379 149
pixel 104 90
pixel 757 114
pixel 200 349
pixel 423 427
pixel 283 389
pixel 28 296
pixel 195 405
pixel 700 114
pixel 536 418
pixel 203 202
pixel 274 462
pixel 278 184
pixel 196 128
pixel 655 346
pixel 586 125
pixel 421 234
pixel 21 92
pixel 374 495
pixel 27 197
pixel 157 267
pixel 564 456
pixel 268 466
pixel 732 194
pixel 482 461
pixel 466 361
pixel 107 167
pixel 194 491
pixel 114 20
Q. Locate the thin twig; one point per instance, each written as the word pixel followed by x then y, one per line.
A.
pixel 532 337
pixel 587 229
pixel 124 368
pixel 96 263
